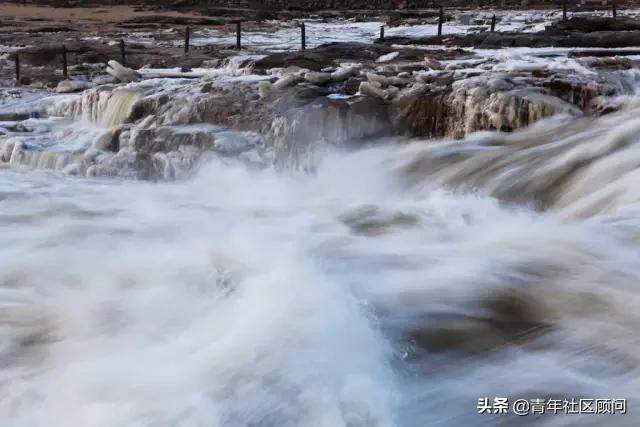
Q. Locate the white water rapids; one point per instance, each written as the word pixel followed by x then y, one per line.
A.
pixel 393 287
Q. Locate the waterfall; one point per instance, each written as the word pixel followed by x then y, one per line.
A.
pixel 106 107
pixel 560 163
pixel 382 289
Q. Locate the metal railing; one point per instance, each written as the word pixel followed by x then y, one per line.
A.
pixel 123 53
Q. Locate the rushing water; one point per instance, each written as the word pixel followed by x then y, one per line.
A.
pixel 395 286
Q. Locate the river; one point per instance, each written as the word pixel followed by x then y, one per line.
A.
pixel 394 286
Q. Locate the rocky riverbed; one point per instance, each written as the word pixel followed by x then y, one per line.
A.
pixel 287 107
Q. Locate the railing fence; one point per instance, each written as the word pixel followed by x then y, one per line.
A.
pixel 303 37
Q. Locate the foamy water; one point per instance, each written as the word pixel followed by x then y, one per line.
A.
pixel 393 287
pixel 387 289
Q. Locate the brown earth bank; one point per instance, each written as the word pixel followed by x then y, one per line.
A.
pixel 320 4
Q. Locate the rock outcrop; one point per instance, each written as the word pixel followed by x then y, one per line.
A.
pixel 121 73
pixel 295 106
pixel 470 107
pixel 576 32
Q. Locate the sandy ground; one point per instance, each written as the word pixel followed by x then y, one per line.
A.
pixel 110 14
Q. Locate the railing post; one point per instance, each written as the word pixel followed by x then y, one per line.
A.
pixel 493 23
pixel 123 54
pixel 382 33
pixel 303 36
pixel 440 20
pixel 187 35
pixel 238 35
pixel 614 9
pixel 564 10
pixel 17 67
pixel 65 71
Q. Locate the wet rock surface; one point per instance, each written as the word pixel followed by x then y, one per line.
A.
pixel 575 32
pixel 163 126
pixel 303 103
